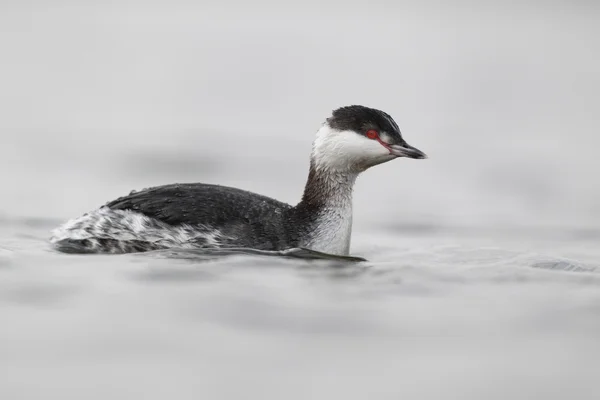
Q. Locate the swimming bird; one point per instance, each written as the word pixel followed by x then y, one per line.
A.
pixel 206 216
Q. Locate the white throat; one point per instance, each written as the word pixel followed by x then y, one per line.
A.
pixel 338 156
pixel 332 230
pixel 330 185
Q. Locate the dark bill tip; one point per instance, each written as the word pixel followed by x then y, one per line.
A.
pixel 407 150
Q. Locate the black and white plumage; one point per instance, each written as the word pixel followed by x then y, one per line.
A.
pixel 197 215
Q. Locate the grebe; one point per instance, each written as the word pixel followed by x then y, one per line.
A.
pixel 197 215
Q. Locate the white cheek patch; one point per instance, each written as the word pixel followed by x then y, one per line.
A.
pixel 344 149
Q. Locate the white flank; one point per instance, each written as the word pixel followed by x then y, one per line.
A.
pixel 125 225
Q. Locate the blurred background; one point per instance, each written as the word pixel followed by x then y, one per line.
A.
pixel 482 281
pixel 99 98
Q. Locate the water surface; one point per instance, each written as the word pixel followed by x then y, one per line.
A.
pixel 476 319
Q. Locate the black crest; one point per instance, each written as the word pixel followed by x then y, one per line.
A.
pixel 360 119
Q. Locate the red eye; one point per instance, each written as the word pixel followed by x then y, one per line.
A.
pixel 372 134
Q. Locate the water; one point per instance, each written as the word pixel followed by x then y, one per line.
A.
pixel 483 261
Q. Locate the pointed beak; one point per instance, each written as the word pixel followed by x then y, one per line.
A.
pixel 406 150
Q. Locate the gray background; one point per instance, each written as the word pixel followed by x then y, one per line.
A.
pixel 99 98
pixel 483 274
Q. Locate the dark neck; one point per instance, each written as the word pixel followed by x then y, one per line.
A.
pixel 328 188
